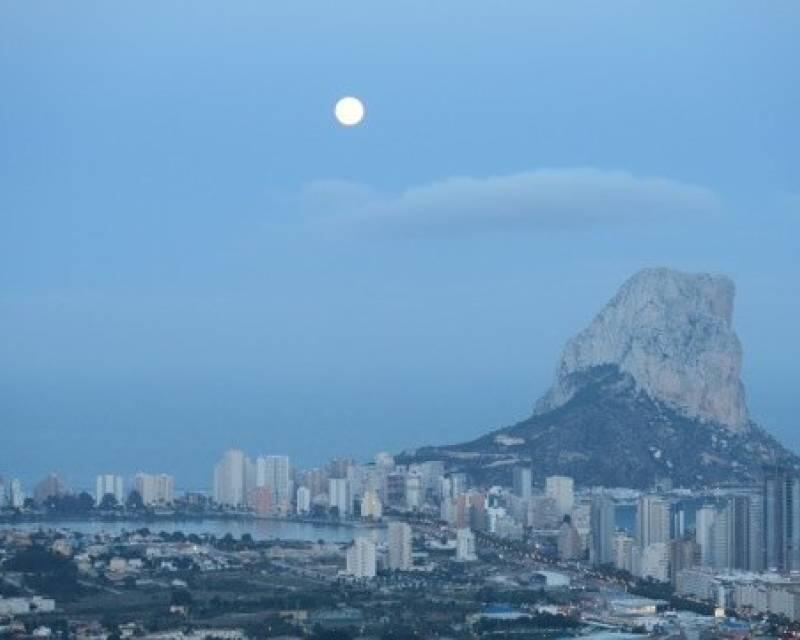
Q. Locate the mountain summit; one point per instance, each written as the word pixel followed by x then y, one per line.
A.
pixel 650 389
pixel 672 332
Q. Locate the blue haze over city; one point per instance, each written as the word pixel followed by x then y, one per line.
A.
pixel 194 256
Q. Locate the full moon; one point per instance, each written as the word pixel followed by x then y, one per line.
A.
pixel 349 111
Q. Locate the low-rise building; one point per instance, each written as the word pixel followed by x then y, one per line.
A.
pixel 23 606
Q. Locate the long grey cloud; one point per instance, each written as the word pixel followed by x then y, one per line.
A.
pixel 545 198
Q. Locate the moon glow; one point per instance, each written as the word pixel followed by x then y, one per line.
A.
pixel 349 111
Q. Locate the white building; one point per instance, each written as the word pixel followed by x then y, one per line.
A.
pixel 751 592
pixel 275 472
pixel 23 606
pixel 696 583
pixel 653 520
pixel 543 512
pixel 562 490
pixel 623 552
pixel 465 545
pixel 16 496
pixel 431 473
pixel 602 513
pixel 453 485
pixel 106 484
pixel 231 479
pixel 414 495
pixel 371 506
pixel 384 460
pixel 303 500
pixel 721 552
pixel 523 482
pixel 704 523
pixel 361 558
pixel 155 488
pixel 338 495
pixel 399 540
pixel 655 562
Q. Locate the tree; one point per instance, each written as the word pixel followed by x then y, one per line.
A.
pixel 47 572
pixel 134 501
pixel 85 502
pixel 109 501
pixel 181 598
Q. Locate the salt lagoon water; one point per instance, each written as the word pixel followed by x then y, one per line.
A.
pixel 259 529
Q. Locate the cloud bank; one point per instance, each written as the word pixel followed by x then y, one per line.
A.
pixel 545 198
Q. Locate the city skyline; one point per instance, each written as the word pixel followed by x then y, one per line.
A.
pixel 399 321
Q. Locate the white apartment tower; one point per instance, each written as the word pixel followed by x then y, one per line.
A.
pixel 562 490
pixel 108 483
pixel 338 495
pixel 523 482
pixel 154 488
pixel 231 479
pixel 653 520
pixel 703 530
pixel 399 539
pixel 16 496
pixel 465 545
pixel 371 506
pixel 303 500
pixel 361 558
pixel 414 496
pixel 274 472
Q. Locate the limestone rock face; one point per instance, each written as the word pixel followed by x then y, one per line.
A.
pixel 672 333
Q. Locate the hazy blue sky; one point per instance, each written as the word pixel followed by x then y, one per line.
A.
pixel 194 256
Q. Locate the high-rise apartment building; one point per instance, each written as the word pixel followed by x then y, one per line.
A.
pixel 317 482
pixel 757 561
pixel 399 542
pixel 465 545
pixel 303 500
pixel 16 495
pixel 337 467
pixel 259 499
pixel 569 541
pixel 274 472
pixel 371 506
pixel 703 523
pixel 414 493
pixel 396 489
pixel 602 525
pixel 232 479
pixel 155 488
pixel 562 490
pixel 722 540
pixel 653 521
pixel 684 553
pixel 624 548
pixel 108 484
pixel 51 487
pixel 781 500
pixel 361 557
pixel 654 561
pixel 339 495
pixel 523 482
